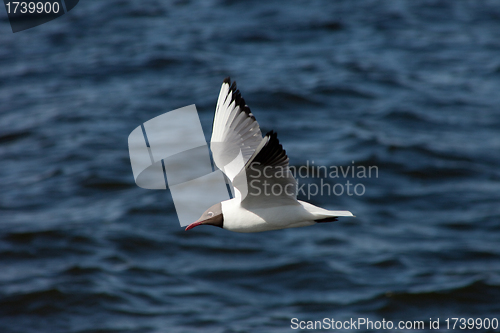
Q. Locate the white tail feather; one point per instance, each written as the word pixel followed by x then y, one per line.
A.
pixel 321 212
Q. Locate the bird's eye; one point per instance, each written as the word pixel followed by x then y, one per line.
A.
pixel 210 214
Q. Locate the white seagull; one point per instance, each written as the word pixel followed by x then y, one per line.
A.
pixel 264 189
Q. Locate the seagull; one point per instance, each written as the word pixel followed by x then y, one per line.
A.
pixel 264 189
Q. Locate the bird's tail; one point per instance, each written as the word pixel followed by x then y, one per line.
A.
pixel 321 213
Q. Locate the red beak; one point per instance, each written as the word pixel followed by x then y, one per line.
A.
pixel 192 225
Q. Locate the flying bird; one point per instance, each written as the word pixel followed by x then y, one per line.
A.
pixel 264 189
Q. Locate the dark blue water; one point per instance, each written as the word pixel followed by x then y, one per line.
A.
pixel 411 87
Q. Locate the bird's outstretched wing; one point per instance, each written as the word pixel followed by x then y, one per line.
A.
pixel 235 132
pixel 257 167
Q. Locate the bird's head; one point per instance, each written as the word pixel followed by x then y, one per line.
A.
pixel 212 216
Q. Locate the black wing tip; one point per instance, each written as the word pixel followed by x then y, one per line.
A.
pixel 236 96
pixel 272 133
pixel 272 153
pixel 273 137
pixel 234 87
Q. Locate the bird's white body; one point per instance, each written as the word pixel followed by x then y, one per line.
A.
pixel 269 217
